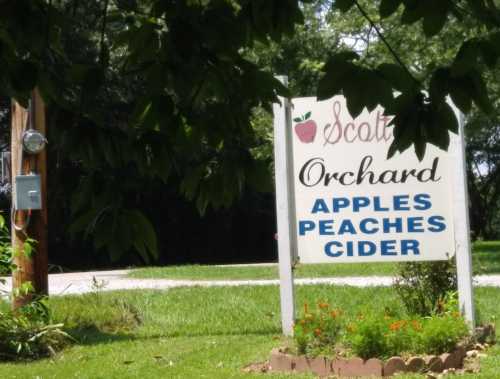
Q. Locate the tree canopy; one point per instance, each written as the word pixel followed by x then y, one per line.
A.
pixel 153 93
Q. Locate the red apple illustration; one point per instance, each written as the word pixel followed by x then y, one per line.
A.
pixel 305 129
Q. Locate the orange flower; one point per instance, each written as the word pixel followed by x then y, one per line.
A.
pixel 302 322
pixel 322 305
pixel 317 332
pixel 396 325
pixel 416 325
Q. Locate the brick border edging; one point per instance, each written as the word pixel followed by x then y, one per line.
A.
pixel 321 366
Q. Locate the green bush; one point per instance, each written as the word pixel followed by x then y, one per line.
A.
pixel 383 337
pixel 367 337
pixel 403 336
pixel 28 333
pixel 442 333
pixel 422 285
pixel 6 265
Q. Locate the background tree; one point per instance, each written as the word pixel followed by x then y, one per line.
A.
pixel 151 102
pixel 483 170
pixel 154 102
pixel 421 114
pixel 422 54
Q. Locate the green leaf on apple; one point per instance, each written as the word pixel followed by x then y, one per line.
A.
pixel 297 119
pixel 307 115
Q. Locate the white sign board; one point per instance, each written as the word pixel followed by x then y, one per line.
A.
pixel 352 203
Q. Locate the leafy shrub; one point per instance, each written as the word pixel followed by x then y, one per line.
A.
pixel 442 333
pixel 28 333
pixel 317 330
pixel 6 265
pixel 422 285
pixel 404 336
pixel 367 337
pixel 384 337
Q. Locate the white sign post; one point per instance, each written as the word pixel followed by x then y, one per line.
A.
pixel 462 229
pixel 340 200
pixel 285 210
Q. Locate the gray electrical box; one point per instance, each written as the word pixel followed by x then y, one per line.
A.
pixel 28 192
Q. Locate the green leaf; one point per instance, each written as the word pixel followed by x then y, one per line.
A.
pixel 420 147
pixel 82 223
pixel 388 7
pixel 343 5
pixel 439 84
pixel 460 96
pixel 435 17
pixel 396 76
pixel 393 149
pixel 354 93
pixel 339 69
pixel 413 11
pixel 103 232
pixel 446 118
pixel 145 235
pixel 479 93
pixel 297 119
pixel 466 58
pixel 489 53
pixel 406 121
pixel 437 133
pixel 27 249
pixel 307 115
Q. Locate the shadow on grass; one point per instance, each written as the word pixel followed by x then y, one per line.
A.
pixel 180 334
pixel 93 336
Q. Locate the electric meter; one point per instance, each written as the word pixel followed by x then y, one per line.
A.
pixel 33 141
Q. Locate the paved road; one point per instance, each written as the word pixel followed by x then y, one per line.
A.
pixel 81 282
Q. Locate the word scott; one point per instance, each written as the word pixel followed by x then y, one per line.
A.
pixel 314 173
pixel 350 132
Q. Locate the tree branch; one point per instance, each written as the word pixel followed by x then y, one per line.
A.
pixel 103 30
pixel 382 38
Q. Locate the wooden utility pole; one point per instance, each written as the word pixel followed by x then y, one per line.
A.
pixel 32 269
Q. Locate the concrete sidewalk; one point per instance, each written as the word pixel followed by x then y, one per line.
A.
pixel 82 282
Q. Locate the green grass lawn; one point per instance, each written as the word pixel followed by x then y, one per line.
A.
pixel 486 260
pixel 197 332
pixel 486 257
